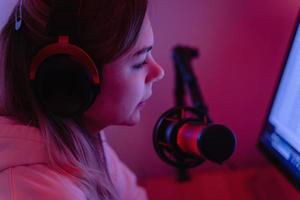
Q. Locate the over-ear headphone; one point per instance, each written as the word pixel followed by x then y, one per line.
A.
pixel 64 77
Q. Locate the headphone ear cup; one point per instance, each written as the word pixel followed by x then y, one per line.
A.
pixel 64 87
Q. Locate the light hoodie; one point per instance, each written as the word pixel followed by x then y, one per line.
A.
pixel 24 174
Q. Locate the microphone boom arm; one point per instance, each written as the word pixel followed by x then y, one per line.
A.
pixel 182 57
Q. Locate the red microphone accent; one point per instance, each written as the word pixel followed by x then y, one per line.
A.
pixel 188 135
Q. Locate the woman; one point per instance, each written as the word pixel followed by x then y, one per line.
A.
pixel 52 113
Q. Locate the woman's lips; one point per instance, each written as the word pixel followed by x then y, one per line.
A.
pixel 142 104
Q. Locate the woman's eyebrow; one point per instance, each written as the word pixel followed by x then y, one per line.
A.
pixel 143 50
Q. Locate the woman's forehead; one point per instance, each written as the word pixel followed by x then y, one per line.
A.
pixel 144 42
pixel 145 39
pixel 146 35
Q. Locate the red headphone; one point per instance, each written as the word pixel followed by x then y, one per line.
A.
pixel 64 77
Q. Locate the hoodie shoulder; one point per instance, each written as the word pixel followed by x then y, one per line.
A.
pixel 122 177
pixel 37 182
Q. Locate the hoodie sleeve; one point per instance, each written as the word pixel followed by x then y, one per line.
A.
pixel 36 182
pixel 122 177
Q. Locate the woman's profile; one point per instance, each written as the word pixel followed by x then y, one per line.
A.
pixel 68 70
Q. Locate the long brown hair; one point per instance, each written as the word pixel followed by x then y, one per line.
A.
pixel 108 28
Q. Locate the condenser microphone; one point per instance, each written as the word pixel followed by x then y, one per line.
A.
pixel 213 142
pixel 186 136
pixel 183 138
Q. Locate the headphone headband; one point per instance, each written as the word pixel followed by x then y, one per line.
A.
pixel 64 47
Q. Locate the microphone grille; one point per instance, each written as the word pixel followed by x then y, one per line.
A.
pixel 217 143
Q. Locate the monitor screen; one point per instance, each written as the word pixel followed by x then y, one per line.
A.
pixel 280 138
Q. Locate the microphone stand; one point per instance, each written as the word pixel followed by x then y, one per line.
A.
pixel 185 78
pixel 201 140
pixel 182 57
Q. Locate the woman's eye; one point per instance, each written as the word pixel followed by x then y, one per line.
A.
pixel 140 65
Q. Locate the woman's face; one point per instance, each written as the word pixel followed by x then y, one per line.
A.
pixel 126 85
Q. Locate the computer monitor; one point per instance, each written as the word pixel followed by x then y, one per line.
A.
pixel 280 138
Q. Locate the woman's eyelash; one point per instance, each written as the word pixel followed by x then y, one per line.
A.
pixel 140 65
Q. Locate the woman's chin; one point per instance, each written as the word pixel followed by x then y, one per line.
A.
pixel 132 120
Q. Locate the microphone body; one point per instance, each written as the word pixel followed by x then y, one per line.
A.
pixel 183 139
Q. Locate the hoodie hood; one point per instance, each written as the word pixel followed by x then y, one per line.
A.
pixel 20 145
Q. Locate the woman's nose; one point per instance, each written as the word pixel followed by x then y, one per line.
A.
pixel 156 72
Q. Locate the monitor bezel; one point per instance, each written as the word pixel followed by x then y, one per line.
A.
pixel 270 153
